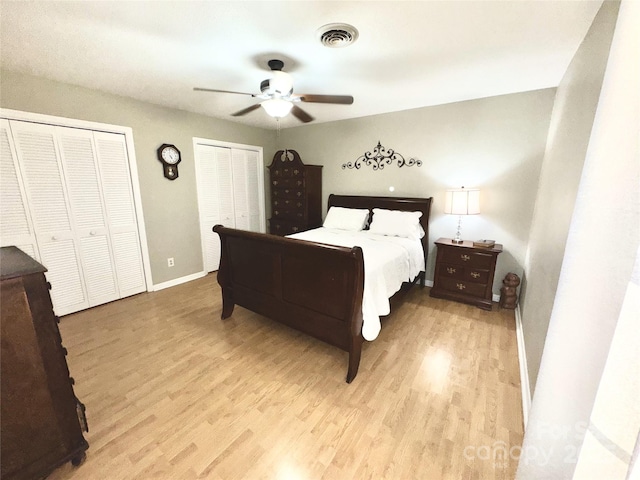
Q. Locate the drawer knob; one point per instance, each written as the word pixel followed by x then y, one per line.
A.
pixel 475 274
pixel 451 270
pixel 465 257
pixel 460 286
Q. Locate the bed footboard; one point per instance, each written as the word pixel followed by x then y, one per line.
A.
pixel 312 287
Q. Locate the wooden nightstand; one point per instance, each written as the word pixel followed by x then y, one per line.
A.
pixel 464 273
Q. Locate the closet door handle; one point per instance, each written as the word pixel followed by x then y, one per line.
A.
pixel 54 238
pixel 92 233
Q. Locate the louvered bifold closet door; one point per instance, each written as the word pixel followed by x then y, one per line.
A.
pixel 225 187
pixel 252 177
pixel 15 222
pixel 215 198
pixel 240 197
pixel 122 223
pixel 77 152
pixel 208 204
pixel 37 151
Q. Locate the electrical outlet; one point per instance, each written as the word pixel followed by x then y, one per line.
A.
pixel 170 262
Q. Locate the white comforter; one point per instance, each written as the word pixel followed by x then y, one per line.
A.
pixel 388 261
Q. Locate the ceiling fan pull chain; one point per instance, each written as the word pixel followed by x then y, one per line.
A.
pixel 277 127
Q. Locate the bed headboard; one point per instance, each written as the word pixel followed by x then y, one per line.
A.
pixel 390 203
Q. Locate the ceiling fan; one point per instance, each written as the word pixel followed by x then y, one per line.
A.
pixel 278 98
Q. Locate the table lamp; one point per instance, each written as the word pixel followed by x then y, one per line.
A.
pixel 463 201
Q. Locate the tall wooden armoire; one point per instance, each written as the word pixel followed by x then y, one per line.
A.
pixel 296 194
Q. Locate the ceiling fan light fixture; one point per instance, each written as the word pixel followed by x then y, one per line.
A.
pixel 277 107
pixel 281 83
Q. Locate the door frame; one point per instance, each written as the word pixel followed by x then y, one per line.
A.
pixel 133 166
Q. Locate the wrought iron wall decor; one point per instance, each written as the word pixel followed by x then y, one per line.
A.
pixel 381 157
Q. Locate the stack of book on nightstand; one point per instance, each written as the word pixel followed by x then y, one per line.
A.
pixel 484 243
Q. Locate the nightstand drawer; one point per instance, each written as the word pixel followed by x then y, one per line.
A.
pixel 462 286
pixel 467 258
pixel 475 275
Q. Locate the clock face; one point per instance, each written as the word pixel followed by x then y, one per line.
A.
pixel 170 155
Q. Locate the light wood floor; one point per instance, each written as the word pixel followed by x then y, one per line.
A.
pixel 173 392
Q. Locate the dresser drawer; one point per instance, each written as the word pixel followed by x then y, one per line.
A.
pixel 289 215
pixel 469 274
pixel 279 226
pixel 288 203
pixel 467 258
pixel 284 172
pixel 292 193
pixel 288 209
pixel 297 182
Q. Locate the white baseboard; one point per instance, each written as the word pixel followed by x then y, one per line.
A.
pixel 178 281
pixel 524 372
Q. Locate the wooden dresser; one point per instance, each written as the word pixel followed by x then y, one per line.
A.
pixel 296 194
pixel 464 273
pixel 41 416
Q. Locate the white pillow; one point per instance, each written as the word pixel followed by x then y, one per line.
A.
pixel 396 223
pixel 353 219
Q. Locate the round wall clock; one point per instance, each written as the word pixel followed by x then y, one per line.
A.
pixel 169 155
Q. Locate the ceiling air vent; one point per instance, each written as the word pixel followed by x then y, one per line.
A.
pixel 335 35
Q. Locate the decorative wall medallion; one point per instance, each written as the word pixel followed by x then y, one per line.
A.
pixel 381 157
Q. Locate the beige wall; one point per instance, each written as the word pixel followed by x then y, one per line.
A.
pixel 170 207
pixel 597 269
pixel 496 144
pixel 569 133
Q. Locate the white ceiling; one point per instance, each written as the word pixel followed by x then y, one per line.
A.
pixel 408 55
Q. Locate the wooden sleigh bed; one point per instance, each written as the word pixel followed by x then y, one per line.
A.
pixel 313 287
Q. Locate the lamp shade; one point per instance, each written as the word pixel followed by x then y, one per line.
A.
pixel 463 201
pixel 276 107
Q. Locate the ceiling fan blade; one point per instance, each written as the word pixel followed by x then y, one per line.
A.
pixel 301 115
pixel 339 99
pixel 198 89
pixel 244 111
